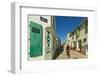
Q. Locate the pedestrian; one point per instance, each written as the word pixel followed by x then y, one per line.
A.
pixel 68 50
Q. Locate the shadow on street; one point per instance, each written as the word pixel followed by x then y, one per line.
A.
pixel 58 52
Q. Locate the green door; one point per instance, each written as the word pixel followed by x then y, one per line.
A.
pixel 35 39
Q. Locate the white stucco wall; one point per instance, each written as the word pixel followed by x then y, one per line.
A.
pixel 36 19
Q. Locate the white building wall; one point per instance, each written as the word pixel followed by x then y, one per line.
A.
pixel 36 19
pixel 82 34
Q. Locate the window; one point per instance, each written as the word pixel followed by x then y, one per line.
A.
pixel 35 30
pixel 84 40
pixel 86 26
pixel 78 32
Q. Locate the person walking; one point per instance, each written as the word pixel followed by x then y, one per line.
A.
pixel 68 50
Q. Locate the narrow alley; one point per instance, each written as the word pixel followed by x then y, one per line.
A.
pixel 73 55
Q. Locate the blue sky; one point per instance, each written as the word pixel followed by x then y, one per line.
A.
pixel 65 24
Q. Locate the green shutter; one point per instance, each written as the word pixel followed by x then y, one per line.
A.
pixel 74 43
pixel 35 39
pixel 86 28
pixel 77 33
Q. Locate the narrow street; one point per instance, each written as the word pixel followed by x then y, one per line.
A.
pixel 73 55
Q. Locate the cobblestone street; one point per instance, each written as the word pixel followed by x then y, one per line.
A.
pixel 73 55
